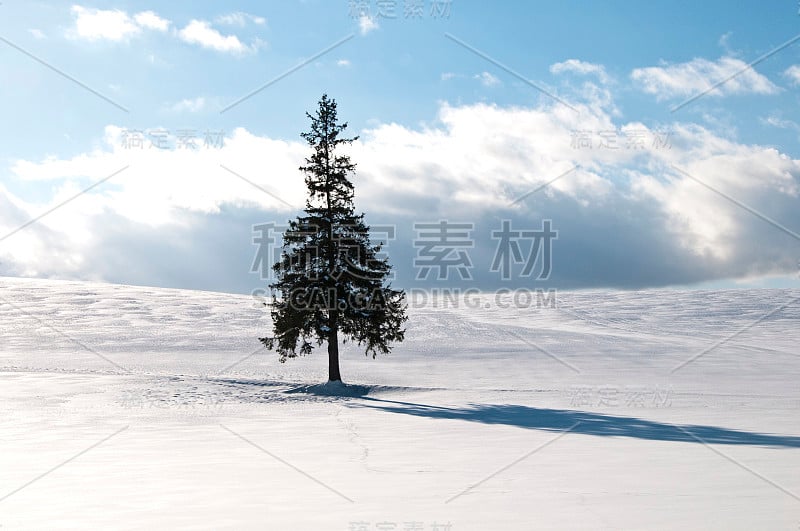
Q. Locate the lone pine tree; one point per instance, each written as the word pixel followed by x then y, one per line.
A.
pixel 330 278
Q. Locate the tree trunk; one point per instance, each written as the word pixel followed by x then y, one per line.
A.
pixel 333 349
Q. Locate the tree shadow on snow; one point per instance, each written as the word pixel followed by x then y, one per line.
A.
pixel 254 390
pixel 337 389
pixel 584 422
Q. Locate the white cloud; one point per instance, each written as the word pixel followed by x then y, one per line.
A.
pixel 793 73
pixel 473 162
pixel 240 18
pixel 724 41
pixel 116 25
pixel 37 33
pixel 487 79
pixel 447 76
pixel 150 20
pixel 781 123
pixel 698 75
pixel 580 67
pixel 189 105
pixel 343 62
pixel 366 24
pixel 196 180
pixel 113 25
pixel 201 33
pixel 97 24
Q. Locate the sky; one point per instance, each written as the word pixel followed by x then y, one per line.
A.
pixel 158 144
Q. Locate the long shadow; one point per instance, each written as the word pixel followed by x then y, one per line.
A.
pixel 559 420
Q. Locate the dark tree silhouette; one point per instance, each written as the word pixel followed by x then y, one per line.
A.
pixel 330 278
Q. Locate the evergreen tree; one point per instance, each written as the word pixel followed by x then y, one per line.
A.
pixel 329 276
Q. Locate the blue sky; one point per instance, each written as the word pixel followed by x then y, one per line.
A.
pixel 462 108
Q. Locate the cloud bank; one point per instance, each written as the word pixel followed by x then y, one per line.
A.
pixel 648 209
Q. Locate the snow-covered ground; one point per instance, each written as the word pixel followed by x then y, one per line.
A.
pixel 128 408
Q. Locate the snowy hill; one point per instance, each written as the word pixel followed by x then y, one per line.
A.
pixel 128 407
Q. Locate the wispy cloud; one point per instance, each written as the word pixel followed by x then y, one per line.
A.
pixel 366 24
pixel 724 42
pixel 793 73
pixel 698 75
pixel 343 62
pixel 576 66
pixel 781 123
pixel 148 19
pixel 37 33
pixel 201 33
pixel 189 105
pixel 487 79
pixel 240 18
